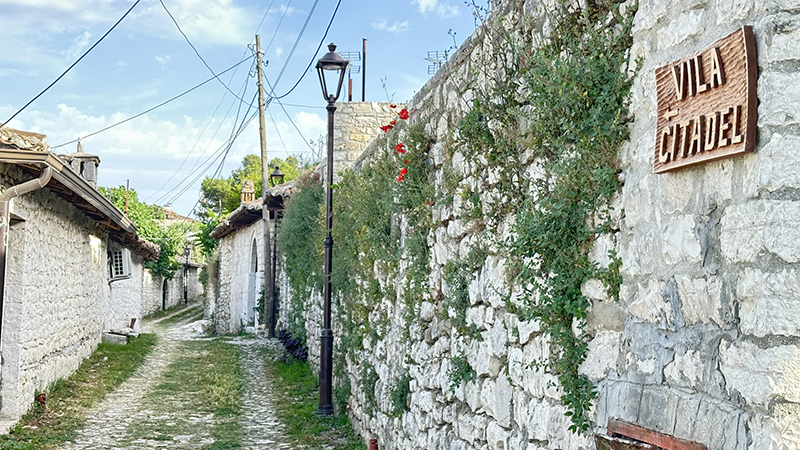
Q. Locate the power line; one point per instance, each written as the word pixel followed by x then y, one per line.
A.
pixel 305 72
pixel 197 141
pixel 72 65
pixel 154 107
pixel 195 50
pixel 233 136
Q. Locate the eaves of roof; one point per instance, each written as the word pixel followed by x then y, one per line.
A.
pixel 74 189
pixel 249 212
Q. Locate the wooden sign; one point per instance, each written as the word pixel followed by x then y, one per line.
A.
pixel 707 104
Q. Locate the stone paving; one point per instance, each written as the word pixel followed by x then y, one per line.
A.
pixel 109 422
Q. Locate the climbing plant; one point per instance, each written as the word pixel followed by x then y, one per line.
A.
pixel 300 240
pixel 556 107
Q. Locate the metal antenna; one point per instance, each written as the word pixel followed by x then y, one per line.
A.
pixel 436 59
pixel 351 69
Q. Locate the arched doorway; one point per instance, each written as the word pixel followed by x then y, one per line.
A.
pixel 250 315
pixel 164 293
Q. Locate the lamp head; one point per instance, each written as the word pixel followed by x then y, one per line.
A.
pixel 331 69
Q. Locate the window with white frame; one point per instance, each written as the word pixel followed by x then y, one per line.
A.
pixel 120 262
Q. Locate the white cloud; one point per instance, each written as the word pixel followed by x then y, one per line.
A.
pixel 218 21
pixel 80 44
pixel 282 9
pixel 149 150
pixel 163 61
pixel 396 27
pixel 435 6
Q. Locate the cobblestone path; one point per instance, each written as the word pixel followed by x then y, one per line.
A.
pixel 110 422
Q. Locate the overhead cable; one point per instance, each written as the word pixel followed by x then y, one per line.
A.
pixel 155 107
pixel 195 50
pixel 321 42
pixel 72 65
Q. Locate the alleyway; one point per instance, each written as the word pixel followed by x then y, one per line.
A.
pixel 138 416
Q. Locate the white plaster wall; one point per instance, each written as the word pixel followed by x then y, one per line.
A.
pixel 151 292
pixel 235 255
pixel 125 299
pixel 57 282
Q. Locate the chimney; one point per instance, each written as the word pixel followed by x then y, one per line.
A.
pixel 84 164
pixel 248 191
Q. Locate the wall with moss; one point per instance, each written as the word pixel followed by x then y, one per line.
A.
pixel 509 272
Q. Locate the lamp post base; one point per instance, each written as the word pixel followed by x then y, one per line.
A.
pixel 325 373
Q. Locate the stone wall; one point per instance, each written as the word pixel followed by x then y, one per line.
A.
pixel 152 292
pixel 701 342
pixel 704 343
pixel 56 282
pixel 355 126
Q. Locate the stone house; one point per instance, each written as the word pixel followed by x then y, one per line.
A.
pixel 72 267
pixel 241 262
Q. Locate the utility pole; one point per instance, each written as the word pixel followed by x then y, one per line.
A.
pixel 268 306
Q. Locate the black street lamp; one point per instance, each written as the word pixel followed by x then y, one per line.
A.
pixel 276 177
pixel 330 66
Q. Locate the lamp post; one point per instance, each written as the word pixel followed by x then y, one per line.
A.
pixel 276 178
pixel 330 66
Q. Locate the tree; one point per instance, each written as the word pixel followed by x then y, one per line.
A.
pixel 147 219
pixel 223 195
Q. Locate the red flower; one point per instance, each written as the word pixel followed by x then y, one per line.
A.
pixel 386 128
pixel 403 171
pixel 392 106
pixel 405 161
pixel 403 114
pixel 392 122
pixel 400 148
pixel 400 177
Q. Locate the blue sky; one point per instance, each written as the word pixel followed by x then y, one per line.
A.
pixel 146 61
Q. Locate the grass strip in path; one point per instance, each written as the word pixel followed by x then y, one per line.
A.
pixel 198 394
pixel 296 402
pixel 66 402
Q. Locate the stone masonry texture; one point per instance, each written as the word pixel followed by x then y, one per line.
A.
pixel 704 343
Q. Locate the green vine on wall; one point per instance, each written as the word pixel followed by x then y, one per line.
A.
pixel 561 107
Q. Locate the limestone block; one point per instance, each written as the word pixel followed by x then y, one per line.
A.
pixel 650 12
pixel 680 242
pixel 781 38
pixel 719 177
pixel 472 394
pixel 681 28
pixel 474 289
pixel 497 437
pixel 778 430
pixel 758 225
pixel 685 370
pixel 700 299
pixel 427 311
pixel 760 375
pixel 516 368
pixel 604 350
pixel 487 396
pixel 673 197
pixel 779 98
pixel 527 328
pixel 498 339
pixel 605 316
pixel 539 419
pixel 503 394
pixel 768 302
pixel 475 315
pixel 594 289
pixel 624 400
pixel 777 164
pixel 733 11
